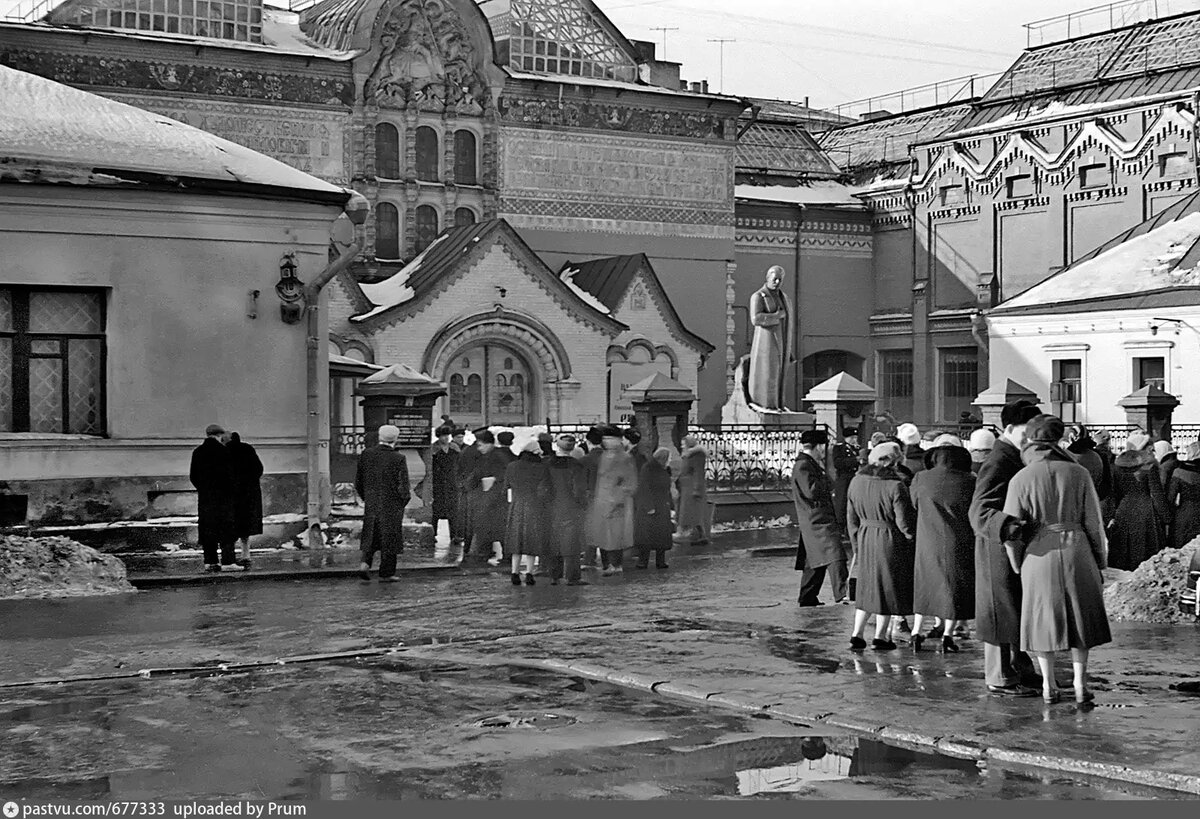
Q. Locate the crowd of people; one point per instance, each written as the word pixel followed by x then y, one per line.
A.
pixel 1010 529
pixel 558 503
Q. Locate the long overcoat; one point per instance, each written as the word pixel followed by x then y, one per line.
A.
pixel 693 487
pixel 568 504
pixel 944 579
pixel 1139 528
pixel 610 519
pixel 468 456
pixel 382 482
pixel 652 508
pixel 997 587
pixel 211 472
pixel 247 489
pixel 488 508
pixel 770 347
pixel 1062 603
pixel 1183 500
pixel 880 518
pixel 820 535
pixel 527 482
pixel 439 489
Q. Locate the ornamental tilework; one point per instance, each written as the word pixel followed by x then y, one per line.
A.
pixel 536 111
pixel 612 211
pixel 80 69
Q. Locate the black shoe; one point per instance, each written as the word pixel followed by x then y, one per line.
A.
pixel 516 580
pixel 364 576
pixel 857 643
pixel 212 568
pixel 917 641
pixel 661 564
pixel 578 583
pixel 529 581
pixel 883 645
pixel 948 645
pixel 391 578
pixel 813 603
pixel 1013 691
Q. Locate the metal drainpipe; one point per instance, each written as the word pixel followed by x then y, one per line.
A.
pixel 312 297
pixel 796 308
pixel 1196 135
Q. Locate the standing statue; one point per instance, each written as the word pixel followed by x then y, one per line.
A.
pixel 771 315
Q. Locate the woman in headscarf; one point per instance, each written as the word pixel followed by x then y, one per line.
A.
pixel 652 510
pixel 1183 497
pixel 528 485
pixel 944 580
pixel 1062 598
pixel 879 515
pixel 1139 529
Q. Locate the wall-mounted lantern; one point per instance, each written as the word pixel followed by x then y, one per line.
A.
pixel 290 291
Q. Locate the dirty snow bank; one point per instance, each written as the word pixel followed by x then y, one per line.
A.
pixel 57 567
pixel 1150 593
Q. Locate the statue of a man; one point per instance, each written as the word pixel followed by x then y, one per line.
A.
pixel 771 315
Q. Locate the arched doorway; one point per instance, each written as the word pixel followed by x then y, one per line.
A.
pixel 490 385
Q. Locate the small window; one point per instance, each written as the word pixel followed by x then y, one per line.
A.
pixel 1173 164
pixel 508 364
pixel 465 363
pixel 1066 390
pixel 952 195
pixel 427 226
pixel 1094 176
pixel 501 381
pixel 1020 186
pixel 1149 372
pixel 465 172
pixel 387 151
pixel 464 217
pixel 427 154
pixel 387 231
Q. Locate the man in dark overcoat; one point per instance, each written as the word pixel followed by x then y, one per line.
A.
pixel 820 548
pixel 382 483
pixel 247 493
pixel 568 508
pixel 997 586
pixel 467 457
pixel 211 472
pixel 439 488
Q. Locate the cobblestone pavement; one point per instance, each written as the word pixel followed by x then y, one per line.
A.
pixel 720 629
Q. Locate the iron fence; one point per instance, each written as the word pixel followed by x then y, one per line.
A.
pixel 750 459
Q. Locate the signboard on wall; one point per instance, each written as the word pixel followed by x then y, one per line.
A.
pixel 415 425
pixel 622 375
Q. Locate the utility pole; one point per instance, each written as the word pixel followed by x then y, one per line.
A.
pixel 664 31
pixel 722 42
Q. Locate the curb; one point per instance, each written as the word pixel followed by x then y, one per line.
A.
pixel 203 579
pixel 946 745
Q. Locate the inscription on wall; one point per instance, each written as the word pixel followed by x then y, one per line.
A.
pixel 310 141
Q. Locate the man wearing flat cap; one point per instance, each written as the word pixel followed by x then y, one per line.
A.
pixel 211 472
pixel 820 547
pixel 382 482
pixel 997 587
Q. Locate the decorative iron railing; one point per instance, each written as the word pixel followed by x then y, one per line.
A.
pixel 750 459
pixel 348 440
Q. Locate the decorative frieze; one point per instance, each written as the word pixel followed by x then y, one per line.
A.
pixel 611 116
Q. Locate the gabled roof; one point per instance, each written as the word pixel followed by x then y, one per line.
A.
pixel 50 132
pixel 449 256
pixel 608 280
pixel 1153 264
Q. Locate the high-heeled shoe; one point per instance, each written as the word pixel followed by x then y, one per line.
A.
pixel 1054 698
pixel 948 645
pixel 917 641
pixel 883 645
pixel 1087 697
pixel 857 643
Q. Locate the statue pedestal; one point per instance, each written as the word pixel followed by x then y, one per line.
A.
pixel 738 411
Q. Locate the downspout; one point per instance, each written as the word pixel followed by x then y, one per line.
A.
pixel 799 379
pixel 1196 134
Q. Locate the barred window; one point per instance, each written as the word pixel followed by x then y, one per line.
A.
pixel 896 383
pixel 52 360
pixel 959 381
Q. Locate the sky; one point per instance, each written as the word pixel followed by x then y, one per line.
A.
pixel 838 51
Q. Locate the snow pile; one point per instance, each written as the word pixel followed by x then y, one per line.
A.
pixel 813 193
pixel 1150 594
pixel 568 276
pixel 57 567
pixel 394 290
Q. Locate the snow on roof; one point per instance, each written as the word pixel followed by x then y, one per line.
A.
pixel 813 193
pixel 601 82
pixel 568 277
pixel 1143 263
pixel 394 290
pixel 49 128
pixel 1044 110
pixel 334 358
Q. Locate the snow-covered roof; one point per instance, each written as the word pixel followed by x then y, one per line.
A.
pixel 601 82
pixel 54 133
pixel 347 361
pixel 812 193
pixel 568 278
pixel 397 289
pixel 1159 255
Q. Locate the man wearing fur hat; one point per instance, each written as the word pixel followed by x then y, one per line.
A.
pixel 820 547
pixel 997 587
pixel 382 482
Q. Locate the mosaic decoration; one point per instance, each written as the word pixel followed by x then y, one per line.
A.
pixel 604 116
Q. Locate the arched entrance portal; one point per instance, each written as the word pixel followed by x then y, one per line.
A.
pixel 490 384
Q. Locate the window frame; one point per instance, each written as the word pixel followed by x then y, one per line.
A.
pixel 21 345
pixel 396 161
pixel 418 235
pixel 458 158
pixel 464 209
pixel 943 356
pixel 379 211
pixel 424 166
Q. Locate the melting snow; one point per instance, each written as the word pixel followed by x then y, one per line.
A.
pixel 568 276
pixel 394 291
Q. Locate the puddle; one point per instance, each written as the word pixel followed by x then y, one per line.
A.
pixel 801 653
pixel 672 625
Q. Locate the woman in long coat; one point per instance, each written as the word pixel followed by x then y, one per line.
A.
pixel 439 487
pixel 652 511
pixel 486 497
pixel 1062 600
pixel 944 579
pixel 610 518
pixel 1139 529
pixel 528 488
pixel 879 515
pixel 1183 497
pixel 247 493
pixel 693 491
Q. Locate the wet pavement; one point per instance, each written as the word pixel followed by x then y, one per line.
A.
pixel 718 638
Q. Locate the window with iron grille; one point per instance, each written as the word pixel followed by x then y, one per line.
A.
pixel 896 382
pixel 387 231
pixel 387 151
pixel 959 378
pixel 52 360
pixel 427 226
pixel 427 154
pixel 465 159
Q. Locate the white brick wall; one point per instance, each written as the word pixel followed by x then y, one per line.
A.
pixel 652 325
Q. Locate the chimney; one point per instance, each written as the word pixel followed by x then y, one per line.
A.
pixel 696 88
pixel 704 86
pixel 683 86
pixel 644 49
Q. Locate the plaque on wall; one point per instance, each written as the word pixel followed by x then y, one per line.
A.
pixel 415 425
